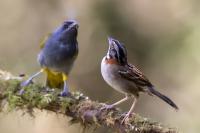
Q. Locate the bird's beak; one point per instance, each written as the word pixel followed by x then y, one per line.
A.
pixel 111 46
pixel 110 39
pixel 71 24
pixel 74 25
pixel 111 43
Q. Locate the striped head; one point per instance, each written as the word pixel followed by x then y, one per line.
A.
pixel 116 52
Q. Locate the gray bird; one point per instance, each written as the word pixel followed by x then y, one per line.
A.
pixel 57 56
pixel 126 78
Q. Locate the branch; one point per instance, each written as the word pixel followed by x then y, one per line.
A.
pixel 79 107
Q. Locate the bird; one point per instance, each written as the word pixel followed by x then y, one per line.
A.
pixel 57 55
pixel 126 78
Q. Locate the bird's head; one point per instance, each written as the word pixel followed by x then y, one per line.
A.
pixel 67 32
pixel 116 51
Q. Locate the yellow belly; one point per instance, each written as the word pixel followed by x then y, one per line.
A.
pixel 54 79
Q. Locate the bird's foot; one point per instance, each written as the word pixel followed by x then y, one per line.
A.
pixel 126 117
pixel 23 84
pixel 26 83
pixel 107 107
pixel 65 94
pixel 21 92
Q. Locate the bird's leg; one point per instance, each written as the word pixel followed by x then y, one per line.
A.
pixel 65 91
pixel 117 103
pixel 29 81
pixel 130 111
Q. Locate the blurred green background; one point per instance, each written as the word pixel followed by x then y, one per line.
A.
pixel 162 39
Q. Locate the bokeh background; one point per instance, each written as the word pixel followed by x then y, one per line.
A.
pixel 162 39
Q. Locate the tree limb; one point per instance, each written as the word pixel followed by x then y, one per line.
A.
pixel 79 107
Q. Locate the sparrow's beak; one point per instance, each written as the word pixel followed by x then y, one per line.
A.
pixel 109 48
pixel 110 39
pixel 110 42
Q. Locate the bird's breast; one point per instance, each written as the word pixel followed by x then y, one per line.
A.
pixel 110 73
pixel 57 56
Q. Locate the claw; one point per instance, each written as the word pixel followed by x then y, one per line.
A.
pixel 126 117
pixel 21 92
pixel 23 84
pixel 65 94
pixel 65 91
pixel 29 81
pixel 106 107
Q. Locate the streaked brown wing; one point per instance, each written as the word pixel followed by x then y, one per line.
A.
pixel 133 74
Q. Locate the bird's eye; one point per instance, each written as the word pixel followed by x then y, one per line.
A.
pixel 67 24
pixel 113 53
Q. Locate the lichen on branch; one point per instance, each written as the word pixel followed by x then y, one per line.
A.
pixel 79 107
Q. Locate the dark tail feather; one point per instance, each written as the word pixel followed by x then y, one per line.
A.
pixel 163 97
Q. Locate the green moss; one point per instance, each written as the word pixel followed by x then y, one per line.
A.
pixel 79 107
pixel 35 95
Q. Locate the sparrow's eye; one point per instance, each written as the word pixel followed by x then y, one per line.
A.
pixel 113 53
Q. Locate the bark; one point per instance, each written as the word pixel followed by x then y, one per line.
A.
pixel 77 106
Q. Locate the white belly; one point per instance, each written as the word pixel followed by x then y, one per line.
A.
pixel 112 77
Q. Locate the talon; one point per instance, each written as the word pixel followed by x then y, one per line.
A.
pixel 123 114
pixel 126 116
pixel 23 84
pixel 65 94
pixel 21 92
pixel 107 107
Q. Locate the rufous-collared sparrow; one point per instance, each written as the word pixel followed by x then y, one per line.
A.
pixel 126 78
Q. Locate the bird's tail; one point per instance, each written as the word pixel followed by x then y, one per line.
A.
pixel 163 97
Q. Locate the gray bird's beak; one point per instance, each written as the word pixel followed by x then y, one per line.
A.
pixel 75 24
pixel 110 39
pixel 72 24
pixel 111 43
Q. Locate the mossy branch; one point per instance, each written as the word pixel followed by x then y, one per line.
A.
pixel 79 107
